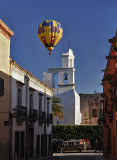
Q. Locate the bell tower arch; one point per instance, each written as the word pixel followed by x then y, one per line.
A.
pixel 66 74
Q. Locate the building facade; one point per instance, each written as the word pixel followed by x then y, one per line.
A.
pixel 5 34
pixel 91 108
pixel 110 102
pixel 62 80
pixel 25 109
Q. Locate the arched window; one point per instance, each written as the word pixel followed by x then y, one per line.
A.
pixel 65 78
pixel 94 112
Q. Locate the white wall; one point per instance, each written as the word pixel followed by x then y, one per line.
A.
pixel 68 102
pixel 77 109
pixel 18 74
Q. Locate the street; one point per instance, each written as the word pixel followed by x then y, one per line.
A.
pixel 74 156
pixel 78 156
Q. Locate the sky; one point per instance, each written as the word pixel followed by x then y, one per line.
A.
pixel 87 25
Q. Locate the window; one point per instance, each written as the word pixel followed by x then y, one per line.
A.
pixel 19 97
pixel 40 102
pixel 94 112
pixel 1 87
pixel 48 105
pixel 31 101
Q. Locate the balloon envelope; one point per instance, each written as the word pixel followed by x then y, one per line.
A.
pixel 50 32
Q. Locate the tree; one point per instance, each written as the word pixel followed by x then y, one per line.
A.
pixel 57 108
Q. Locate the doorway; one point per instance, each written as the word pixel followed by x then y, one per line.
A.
pixel 30 141
pixel 19 145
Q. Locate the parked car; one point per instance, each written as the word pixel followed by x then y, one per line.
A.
pixel 72 145
pixel 87 143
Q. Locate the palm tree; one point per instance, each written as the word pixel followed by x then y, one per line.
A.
pixel 57 107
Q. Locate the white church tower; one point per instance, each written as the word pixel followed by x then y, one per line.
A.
pixel 65 89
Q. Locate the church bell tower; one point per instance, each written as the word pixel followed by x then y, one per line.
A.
pixel 67 72
pixel 68 59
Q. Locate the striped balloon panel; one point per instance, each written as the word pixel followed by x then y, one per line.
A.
pixel 50 32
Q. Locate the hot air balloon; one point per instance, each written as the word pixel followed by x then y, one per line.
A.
pixel 50 33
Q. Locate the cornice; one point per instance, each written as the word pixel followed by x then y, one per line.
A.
pixel 5 30
pixel 33 79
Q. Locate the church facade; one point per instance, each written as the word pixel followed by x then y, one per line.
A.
pixel 91 108
pixel 65 89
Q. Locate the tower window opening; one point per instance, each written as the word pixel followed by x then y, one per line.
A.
pixel 65 78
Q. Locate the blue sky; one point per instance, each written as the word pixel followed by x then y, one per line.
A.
pixel 87 24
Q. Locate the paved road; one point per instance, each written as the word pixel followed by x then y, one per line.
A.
pixel 74 156
pixel 78 156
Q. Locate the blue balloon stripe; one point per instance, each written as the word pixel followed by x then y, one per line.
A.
pixel 45 23
pixel 59 25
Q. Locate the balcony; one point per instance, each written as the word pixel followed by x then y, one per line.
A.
pixel 20 112
pixel 42 116
pixel 49 118
pixel 33 114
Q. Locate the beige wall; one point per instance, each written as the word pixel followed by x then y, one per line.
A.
pixel 5 34
pixel 4 116
pixel 4 54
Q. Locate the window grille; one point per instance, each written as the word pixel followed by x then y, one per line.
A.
pixel 1 87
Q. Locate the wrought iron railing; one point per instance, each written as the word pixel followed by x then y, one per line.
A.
pixel 21 111
pixel 33 114
pixel 42 116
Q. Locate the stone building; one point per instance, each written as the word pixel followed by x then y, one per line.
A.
pixel 25 108
pixel 91 108
pixel 109 83
pixel 64 87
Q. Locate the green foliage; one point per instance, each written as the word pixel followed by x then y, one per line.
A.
pixel 67 132
pixel 57 108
